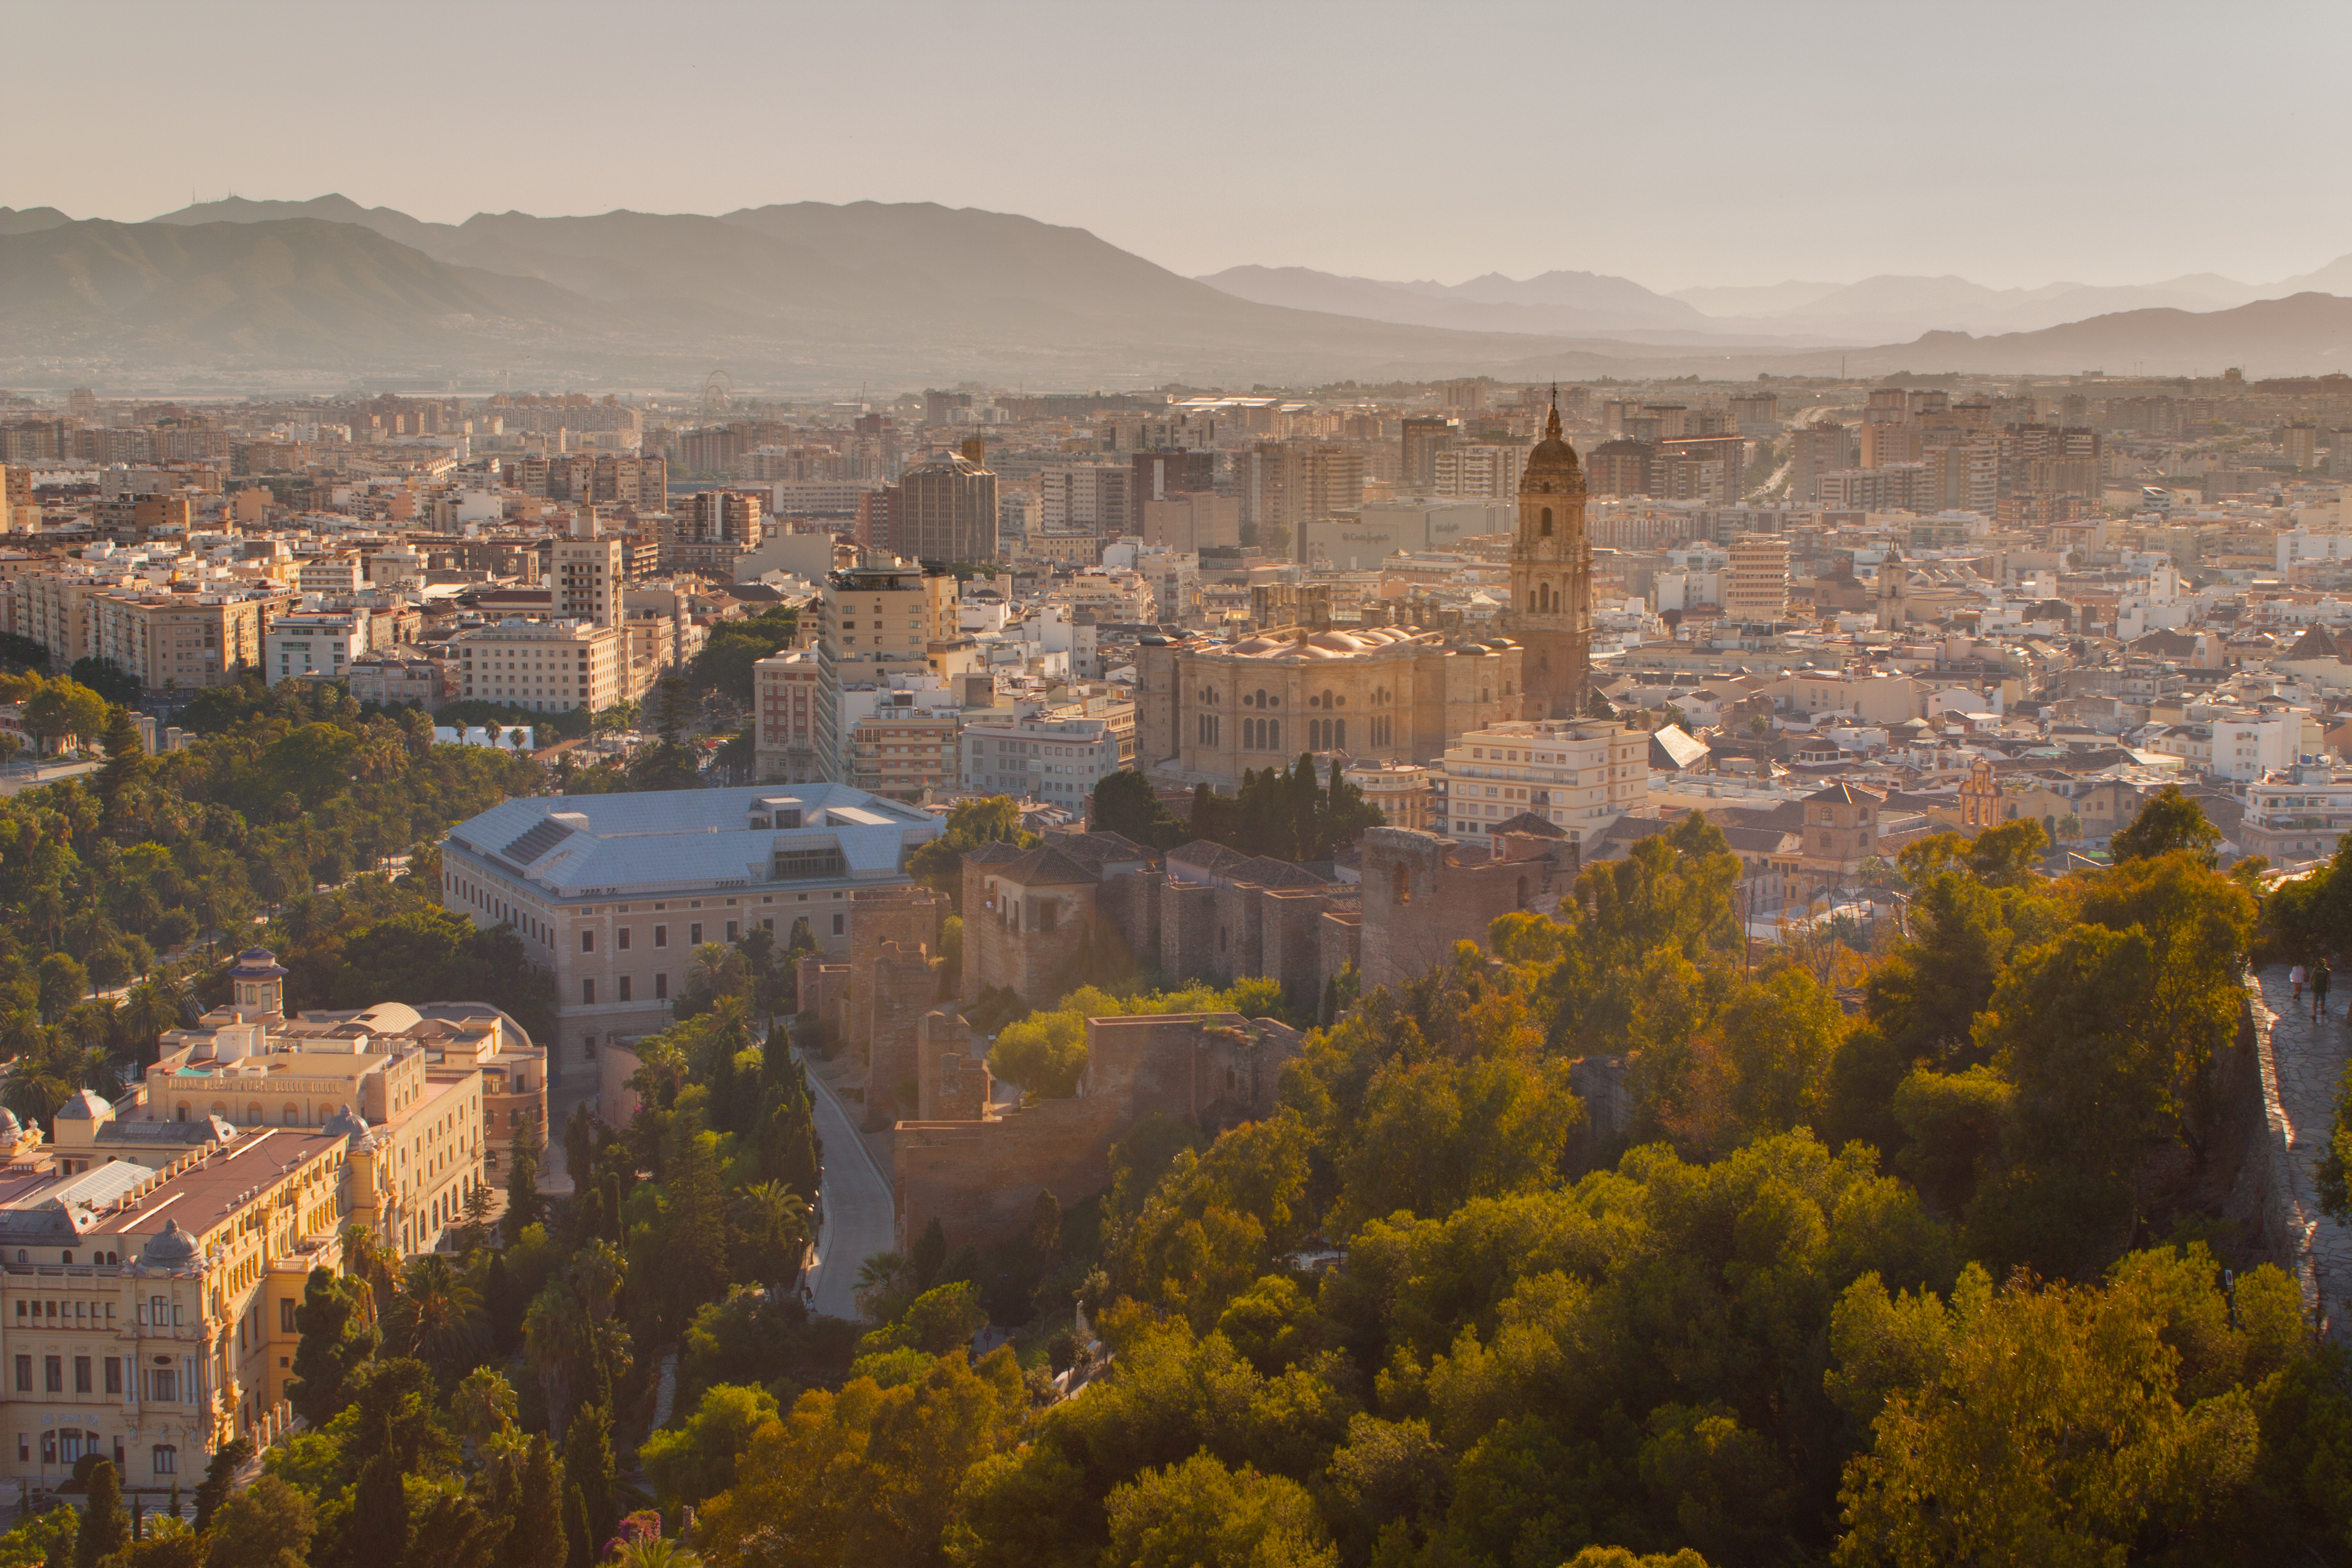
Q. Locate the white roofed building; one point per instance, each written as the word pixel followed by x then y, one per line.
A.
pixel 614 892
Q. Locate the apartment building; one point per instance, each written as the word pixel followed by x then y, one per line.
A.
pixel 543 666
pixel 612 894
pixel 586 577
pixel 1056 759
pixel 2298 812
pixel 875 622
pixel 1580 777
pixel 947 512
pixel 1757 588
pixel 330 574
pixel 323 643
pixel 786 707
pixel 1086 497
pixel 1483 470
pixel 173 639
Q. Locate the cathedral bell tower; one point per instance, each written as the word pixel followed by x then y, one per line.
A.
pixel 1551 579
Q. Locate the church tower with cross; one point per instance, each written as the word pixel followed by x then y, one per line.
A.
pixel 1551 579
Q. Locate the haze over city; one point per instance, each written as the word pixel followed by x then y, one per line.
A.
pixel 1045 785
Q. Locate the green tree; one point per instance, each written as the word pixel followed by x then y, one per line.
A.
pixel 64 707
pixel 126 757
pixel 991 819
pixel 1201 1511
pixel 537 1537
pixel 2061 1427
pixel 63 982
pixel 220 1480
pixel 724 665
pixel 105 1528
pixel 2336 1161
pixel 524 1205
pixel 669 762
pixel 588 1465
pixel 2167 821
pixel 338 1338
pixel 379 1519
pixel 696 1460
pixel 1124 802
pixel 267 1525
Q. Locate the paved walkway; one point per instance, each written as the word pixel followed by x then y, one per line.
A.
pixel 2302 1063
pixel 860 1219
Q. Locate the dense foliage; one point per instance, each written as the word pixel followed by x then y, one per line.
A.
pixel 724 665
pixel 289 807
pixel 1909 1261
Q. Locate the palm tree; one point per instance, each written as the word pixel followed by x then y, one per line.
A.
pixel 554 1334
pixel 437 1316
pixel 775 1222
pixel 881 1279
pixel 21 1033
pixel 148 1009
pixel 482 1405
pixel 599 1270
pixel 655 1554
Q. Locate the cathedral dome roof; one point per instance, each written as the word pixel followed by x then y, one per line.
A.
pixel 1553 459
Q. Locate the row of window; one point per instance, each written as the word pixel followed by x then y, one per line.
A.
pixel 65 1445
pixel 161 1384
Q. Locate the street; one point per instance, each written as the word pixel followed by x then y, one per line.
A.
pixel 859 1216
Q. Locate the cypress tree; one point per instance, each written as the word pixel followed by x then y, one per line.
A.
pixel 104 1529
pixel 577 1531
pixel 695 1247
pixel 539 1539
pixel 332 1349
pixel 220 1480
pixel 588 1462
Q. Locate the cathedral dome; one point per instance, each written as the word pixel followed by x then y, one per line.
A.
pixel 1553 461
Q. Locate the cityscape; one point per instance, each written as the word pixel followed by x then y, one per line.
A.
pixel 856 879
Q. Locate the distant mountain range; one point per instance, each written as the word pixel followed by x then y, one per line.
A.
pixel 1875 310
pixel 811 296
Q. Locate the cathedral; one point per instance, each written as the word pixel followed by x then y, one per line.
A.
pixel 1551 579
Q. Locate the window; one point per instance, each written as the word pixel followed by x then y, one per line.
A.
pixel 588 992
pixel 114 1374
pixel 24 1374
pixel 587 942
pixel 730 930
pixel 694 934
pixel 167 1460
pixel 53 1374
pixel 82 1384
pixel 621 938
pixel 661 987
pixel 1543 524
pixel 661 936
pixel 838 927
pixel 624 988
pixel 1400 885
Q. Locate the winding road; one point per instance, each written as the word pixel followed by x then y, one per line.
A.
pixel 859 1216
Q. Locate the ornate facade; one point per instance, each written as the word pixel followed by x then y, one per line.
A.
pixel 1210 711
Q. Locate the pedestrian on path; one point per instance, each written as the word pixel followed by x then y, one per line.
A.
pixel 2296 977
pixel 2319 978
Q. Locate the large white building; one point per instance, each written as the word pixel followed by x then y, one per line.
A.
pixel 611 893
pixel 1580 777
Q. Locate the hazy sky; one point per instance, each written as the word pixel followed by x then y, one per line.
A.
pixel 1676 144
